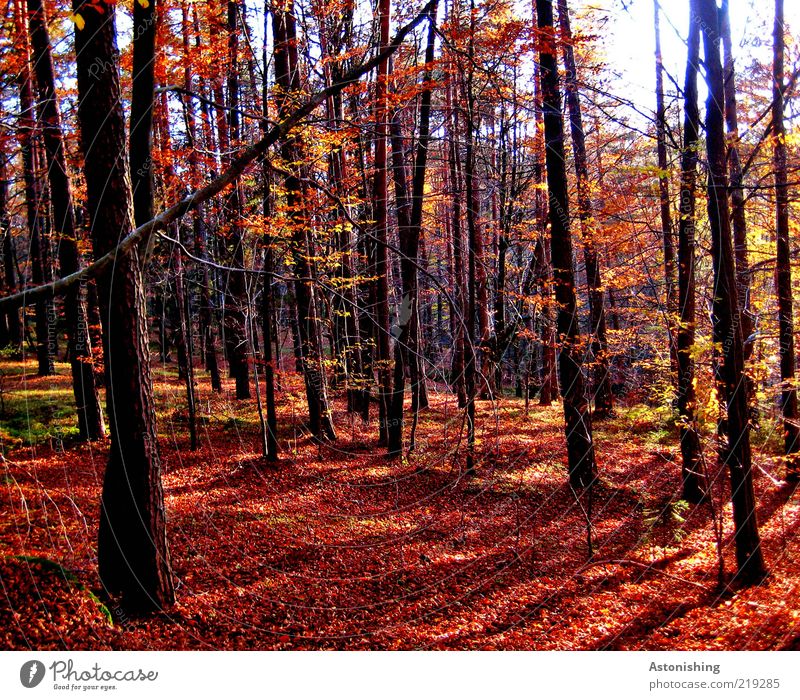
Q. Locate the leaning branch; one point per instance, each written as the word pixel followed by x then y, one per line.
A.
pixel 247 156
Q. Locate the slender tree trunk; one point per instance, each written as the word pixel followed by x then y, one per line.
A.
pixel 132 553
pixel 735 450
pixel 408 345
pixel 269 331
pixel 743 276
pixel 478 352
pixel 236 316
pixel 577 419
pixel 287 78
pixel 380 207
pixel 35 210
pixel 457 277
pixel 200 233
pixel 667 232
pixel 11 315
pixel 783 265
pixel 603 402
pixel 145 20
pixel 543 268
pixel 87 402
pixel 693 479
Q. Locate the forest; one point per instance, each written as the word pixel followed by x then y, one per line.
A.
pixel 458 324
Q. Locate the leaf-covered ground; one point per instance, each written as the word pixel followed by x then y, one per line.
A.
pixel 338 547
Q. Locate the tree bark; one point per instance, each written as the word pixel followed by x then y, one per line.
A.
pixel 783 266
pixel 287 78
pixel 34 206
pixel 133 555
pixel 200 232
pixel 603 401
pixel 667 231
pixel 407 341
pixel 692 477
pixel 380 205
pixel 577 420
pixel 87 401
pixel 735 450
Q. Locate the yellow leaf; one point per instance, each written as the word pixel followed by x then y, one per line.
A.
pixel 79 21
pixel 144 3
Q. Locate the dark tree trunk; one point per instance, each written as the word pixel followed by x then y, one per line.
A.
pixel 35 210
pixel 693 479
pixel 207 335
pixel 478 350
pixel 87 402
pixel 236 315
pixel 145 20
pixel 457 273
pixel 667 232
pixel 380 205
pixel 133 555
pixel 409 216
pixel 603 402
pixel 783 265
pixel 738 220
pixel 543 268
pixel 269 331
pixel 308 326
pixel 10 316
pixel 578 425
pixel 735 450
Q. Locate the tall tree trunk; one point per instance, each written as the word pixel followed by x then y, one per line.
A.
pixel 87 402
pixel 693 479
pixel 35 210
pixel 145 21
pixel 408 345
pixel 457 272
pixel 663 195
pixel 743 276
pixel 783 266
pixel 11 315
pixel 577 420
pixel 200 233
pixel 287 77
pixel 268 327
pixel 543 267
pixel 603 402
pixel 478 352
pixel 735 450
pixel 133 555
pixel 236 316
pixel 380 205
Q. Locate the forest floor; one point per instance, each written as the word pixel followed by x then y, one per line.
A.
pixel 339 547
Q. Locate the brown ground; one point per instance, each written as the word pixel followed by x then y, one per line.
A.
pixel 338 547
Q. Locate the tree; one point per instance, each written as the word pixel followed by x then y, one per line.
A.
pixel 692 477
pixel 133 556
pixel 783 268
pixel 603 402
pixel 577 420
pixel 663 195
pixel 87 402
pixel 35 206
pixel 735 448
pixel 407 345
pixel 287 78
pixel 380 197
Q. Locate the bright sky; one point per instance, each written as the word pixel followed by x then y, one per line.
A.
pixel 631 44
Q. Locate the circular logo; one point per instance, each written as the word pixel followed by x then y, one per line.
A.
pixel 31 673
